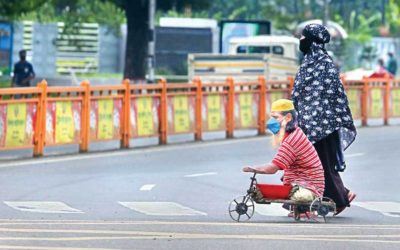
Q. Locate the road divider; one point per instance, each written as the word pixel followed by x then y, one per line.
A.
pixel 43 116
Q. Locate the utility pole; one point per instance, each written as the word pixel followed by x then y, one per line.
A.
pixel 383 8
pixel 152 38
pixel 326 13
pixel 325 5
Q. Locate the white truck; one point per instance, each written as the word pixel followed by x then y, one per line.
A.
pixel 274 57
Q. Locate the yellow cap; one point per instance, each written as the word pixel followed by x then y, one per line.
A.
pixel 282 105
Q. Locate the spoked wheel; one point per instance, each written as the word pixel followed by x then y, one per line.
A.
pixel 241 208
pixel 321 207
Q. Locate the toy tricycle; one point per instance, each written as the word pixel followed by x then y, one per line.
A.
pixel 242 208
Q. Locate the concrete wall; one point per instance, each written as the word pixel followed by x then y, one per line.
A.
pixel 44 50
pixel 109 50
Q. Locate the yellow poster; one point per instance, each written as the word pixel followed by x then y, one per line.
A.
pixel 181 114
pixel 106 126
pixel 246 111
pixel 376 103
pixel 276 96
pixel 16 122
pixel 354 102
pixel 145 120
pixel 214 112
pixel 65 128
pixel 396 102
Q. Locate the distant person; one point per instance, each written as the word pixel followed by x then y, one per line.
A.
pixel 380 71
pixel 392 64
pixel 23 72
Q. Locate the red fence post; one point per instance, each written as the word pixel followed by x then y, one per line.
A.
pixel 198 114
pixel 126 116
pixel 364 102
pixel 85 118
pixel 291 84
pixel 262 106
pixel 40 129
pixel 163 113
pixel 386 100
pixel 230 121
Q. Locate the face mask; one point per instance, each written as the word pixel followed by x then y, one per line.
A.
pixel 273 125
pixel 305 45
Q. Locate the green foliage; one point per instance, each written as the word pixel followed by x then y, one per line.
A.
pixel 393 17
pixel 10 9
pixel 78 11
pixel 360 27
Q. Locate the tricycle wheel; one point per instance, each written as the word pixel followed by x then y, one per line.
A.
pixel 321 207
pixel 241 208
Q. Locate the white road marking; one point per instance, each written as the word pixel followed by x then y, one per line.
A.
pixel 273 209
pixel 201 174
pixel 372 227
pixel 386 208
pixel 161 208
pixel 147 187
pixel 97 155
pixel 353 155
pixel 53 207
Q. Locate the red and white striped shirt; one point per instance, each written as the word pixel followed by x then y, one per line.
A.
pixel 300 162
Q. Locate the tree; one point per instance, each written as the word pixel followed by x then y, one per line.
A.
pixel 137 15
pixel 11 9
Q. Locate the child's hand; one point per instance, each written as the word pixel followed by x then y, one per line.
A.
pixel 248 169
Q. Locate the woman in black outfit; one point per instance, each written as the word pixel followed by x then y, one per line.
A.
pixel 323 109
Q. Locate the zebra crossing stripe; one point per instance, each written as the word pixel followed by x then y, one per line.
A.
pixel 161 208
pixel 387 208
pixel 53 207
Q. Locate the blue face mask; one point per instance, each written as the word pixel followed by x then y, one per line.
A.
pixel 273 125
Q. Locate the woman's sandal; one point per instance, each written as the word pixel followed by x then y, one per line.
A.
pixel 339 210
pixel 351 196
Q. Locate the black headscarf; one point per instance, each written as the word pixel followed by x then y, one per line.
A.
pixel 318 93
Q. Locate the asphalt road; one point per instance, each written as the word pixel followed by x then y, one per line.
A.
pixel 177 197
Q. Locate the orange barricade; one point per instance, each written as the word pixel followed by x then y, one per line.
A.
pixel 182 102
pixel 41 116
pixel 214 106
pixel 374 102
pixel 277 90
pixel 146 112
pixel 65 116
pixel 394 99
pixel 105 113
pixel 20 112
pixel 354 91
pixel 246 105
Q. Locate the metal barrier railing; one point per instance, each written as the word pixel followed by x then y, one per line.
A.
pixel 42 116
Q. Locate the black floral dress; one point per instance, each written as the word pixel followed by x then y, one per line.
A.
pixel 323 109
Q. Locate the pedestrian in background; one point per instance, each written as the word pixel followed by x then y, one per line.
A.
pixel 323 109
pixel 391 64
pixel 23 72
